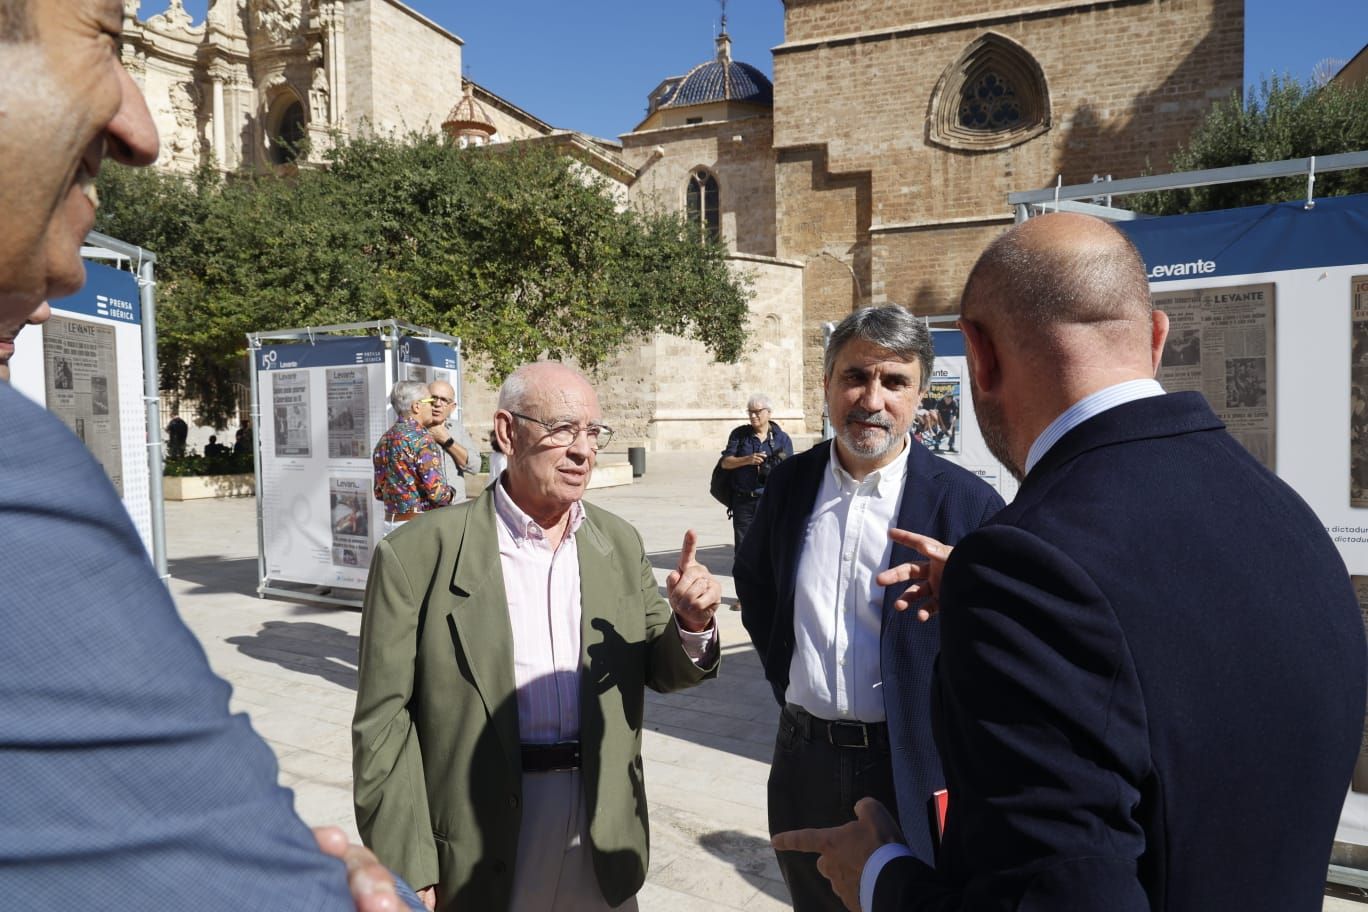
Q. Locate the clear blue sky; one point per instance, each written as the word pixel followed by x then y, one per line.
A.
pixel 589 64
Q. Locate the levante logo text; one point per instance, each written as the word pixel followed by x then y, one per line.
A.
pixel 1196 267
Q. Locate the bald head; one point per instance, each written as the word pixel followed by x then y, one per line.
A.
pixel 1058 271
pixel 1055 310
pixel 547 470
pixel 531 383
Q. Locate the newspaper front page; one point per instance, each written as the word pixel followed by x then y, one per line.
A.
pixel 348 408
pixel 290 403
pixel 1358 393
pixel 80 364
pixel 1221 344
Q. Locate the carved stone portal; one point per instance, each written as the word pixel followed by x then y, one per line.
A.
pixel 279 20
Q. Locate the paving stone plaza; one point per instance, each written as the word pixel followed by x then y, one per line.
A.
pixel 707 750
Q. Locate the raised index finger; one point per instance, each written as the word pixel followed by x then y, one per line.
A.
pixel 809 840
pixel 922 544
pixel 686 554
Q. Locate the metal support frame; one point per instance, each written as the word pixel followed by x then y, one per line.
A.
pixel 391 331
pixel 102 246
pixel 1060 198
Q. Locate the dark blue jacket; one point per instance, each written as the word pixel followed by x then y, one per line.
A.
pixel 1151 684
pixel 940 499
pixel 743 442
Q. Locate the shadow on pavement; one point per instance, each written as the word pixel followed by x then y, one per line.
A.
pixel 752 857
pixel 217 574
pixel 305 647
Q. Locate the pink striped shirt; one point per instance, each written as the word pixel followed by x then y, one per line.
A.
pixel 543 590
pixel 544 610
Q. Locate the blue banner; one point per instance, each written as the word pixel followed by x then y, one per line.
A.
pixel 949 343
pixel 427 353
pixel 1254 240
pixel 109 293
pixel 327 351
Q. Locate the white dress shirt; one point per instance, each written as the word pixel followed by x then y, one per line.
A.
pixel 837 606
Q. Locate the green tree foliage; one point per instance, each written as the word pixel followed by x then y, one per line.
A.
pixel 518 252
pixel 1284 120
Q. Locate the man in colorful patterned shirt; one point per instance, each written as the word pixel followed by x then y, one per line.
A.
pixel 408 464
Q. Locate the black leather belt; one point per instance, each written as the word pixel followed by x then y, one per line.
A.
pixel 839 733
pixel 551 758
pixel 750 495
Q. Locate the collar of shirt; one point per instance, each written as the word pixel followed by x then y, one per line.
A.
pixel 524 528
pixel 886 481
pixel 1088 407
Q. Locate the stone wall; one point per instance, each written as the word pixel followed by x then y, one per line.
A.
pixel 403 71
pixel 666 393
pixel 738 153
pixel 858 179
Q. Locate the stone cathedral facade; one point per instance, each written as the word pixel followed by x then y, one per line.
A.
pixel 872 169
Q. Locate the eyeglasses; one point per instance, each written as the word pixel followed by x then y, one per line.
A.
pixel 443 400
pixel 564 433
pixel 429 400
pixel 756 413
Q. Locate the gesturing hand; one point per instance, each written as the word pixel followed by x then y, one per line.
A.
pixel 694 594
pixel 926 577
pixel 370 882
pixel 842 851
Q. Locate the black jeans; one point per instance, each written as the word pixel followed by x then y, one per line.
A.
pixel 743 514
pixel 813 783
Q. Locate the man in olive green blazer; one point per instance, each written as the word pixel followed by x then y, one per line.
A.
pixel 438 759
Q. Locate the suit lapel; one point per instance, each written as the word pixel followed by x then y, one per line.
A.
pixel 921 502
pixel 479 612
pixel 598 601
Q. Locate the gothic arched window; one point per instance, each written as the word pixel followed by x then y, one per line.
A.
pixel 291 129
pixel 701 202
pixel 993 97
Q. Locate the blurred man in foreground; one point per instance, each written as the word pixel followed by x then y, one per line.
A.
pixel 127 783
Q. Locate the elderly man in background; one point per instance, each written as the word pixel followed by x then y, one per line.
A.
pixel 505 645
pixel 851 674
pixel 1150 690
pixel 127 782
pixel 407 460
pixel 452 438
pixel 752 450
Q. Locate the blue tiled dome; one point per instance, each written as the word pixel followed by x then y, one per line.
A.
pixel 719 80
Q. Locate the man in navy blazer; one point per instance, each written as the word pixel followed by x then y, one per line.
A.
pixel 1151 682
pixel 854 720
pixel 124 781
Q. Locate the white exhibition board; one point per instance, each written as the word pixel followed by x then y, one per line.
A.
pixel 971 451
pixel 1269 307
pixel 85 365
pixel 322 407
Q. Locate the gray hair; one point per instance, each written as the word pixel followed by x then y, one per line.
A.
pixel 514 391
pixel 16 25
pixel 405 393
pixel 890 327
pixel 758 401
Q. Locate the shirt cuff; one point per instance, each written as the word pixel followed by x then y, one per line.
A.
pixel 698 646
pixel 874 866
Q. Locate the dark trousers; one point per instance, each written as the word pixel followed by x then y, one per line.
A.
pixel 814 783
pixel 743 514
